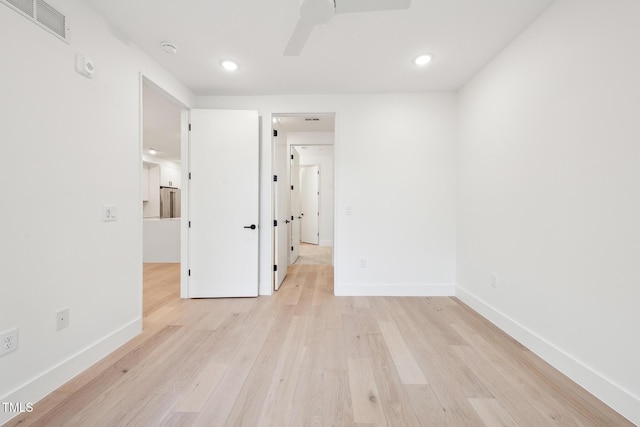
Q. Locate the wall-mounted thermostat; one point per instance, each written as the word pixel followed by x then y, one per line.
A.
pixel 84 66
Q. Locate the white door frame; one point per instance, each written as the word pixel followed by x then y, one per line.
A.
pixel 280 211
pixel 184 154
pixel 335 180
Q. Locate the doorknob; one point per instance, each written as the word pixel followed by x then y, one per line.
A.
pixel 299 217
pixel 286 221
pixel 252 226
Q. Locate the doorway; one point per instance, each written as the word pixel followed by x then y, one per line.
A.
pixel 303 191
pixel 162 119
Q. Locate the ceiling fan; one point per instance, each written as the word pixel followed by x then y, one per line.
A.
pixel 318 12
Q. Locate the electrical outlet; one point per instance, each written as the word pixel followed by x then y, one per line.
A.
pixel 109 213
pixel 62 319
pixel 363 263
pixel 494 280
pixel 8 341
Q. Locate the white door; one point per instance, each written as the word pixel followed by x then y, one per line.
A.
pixel 296 212
pixel 281 214
pixel 309 194
pixel 223 203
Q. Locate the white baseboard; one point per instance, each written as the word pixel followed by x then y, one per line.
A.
pixel 48 381
pixel 618 398
pixel 423 290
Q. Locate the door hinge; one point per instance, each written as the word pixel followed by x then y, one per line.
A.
pixel 189 224
pixel 291 247
pixel 189 273
pixel 189 175
pixel 275 268
pixel 292 187
pixel 275 132
pixel 291 217
pixel 275 178
pixel 275 222
pixel 189 127
pixel 292 157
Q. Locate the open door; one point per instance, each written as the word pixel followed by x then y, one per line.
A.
pixel 296 209
pixel 223 203
pixel 281 214
pixel 309 195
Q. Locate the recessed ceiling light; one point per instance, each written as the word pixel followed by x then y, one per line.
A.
pixel 152 151
pixel 423 60
pixel 229 65
pixel 169 48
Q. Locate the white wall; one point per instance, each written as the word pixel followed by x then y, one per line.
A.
pixel 83 135
pixel 161 240
pixel 324 160
pixel 395 167
pixel 549 194
pixel 151 207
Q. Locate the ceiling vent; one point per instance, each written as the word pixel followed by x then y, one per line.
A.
pixel 51 18
pixel 311 119
pixel 41 13
pixel 26 6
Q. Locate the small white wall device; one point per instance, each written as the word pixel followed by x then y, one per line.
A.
pixel 84 65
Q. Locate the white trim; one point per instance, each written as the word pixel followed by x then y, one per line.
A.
pixel 417 290
pixel 48 381
pixel 185 119
pixel 617 397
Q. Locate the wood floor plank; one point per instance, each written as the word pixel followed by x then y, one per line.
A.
pixel 248 406
pixel 307 397
pixel 355 338
pixel 306 357
pixel 222 400
pixel 179 419
pixel 410 372
pixel 94 390
pixel 393 394
pixel 367 407
pixel 505 362
pixel 194 398
pixel 519 408
pixel 278 406
pixel 491 412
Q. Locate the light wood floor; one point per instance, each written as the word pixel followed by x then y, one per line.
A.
pixel 305 357
pixel 315 255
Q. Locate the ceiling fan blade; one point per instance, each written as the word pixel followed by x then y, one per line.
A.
pixel 298 39
pixel 354 6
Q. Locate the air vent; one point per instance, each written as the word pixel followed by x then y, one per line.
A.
pixel 51 18
pixel 42 13
pixel 26 6
pixel 311 119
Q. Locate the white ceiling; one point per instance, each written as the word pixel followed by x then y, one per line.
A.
pixel 352 53
pixel 161 124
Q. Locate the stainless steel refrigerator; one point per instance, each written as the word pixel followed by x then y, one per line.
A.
pixel 169 202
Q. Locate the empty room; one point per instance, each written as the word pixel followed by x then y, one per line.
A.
pixel 320 212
